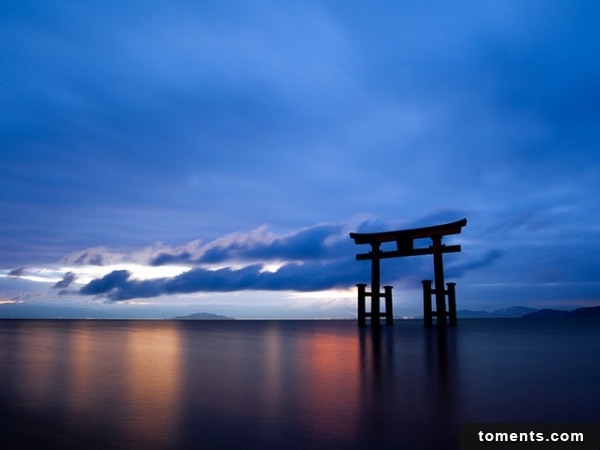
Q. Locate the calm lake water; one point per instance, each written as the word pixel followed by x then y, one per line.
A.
pixel 287 384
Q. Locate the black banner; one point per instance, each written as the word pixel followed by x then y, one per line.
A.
pixel 534 436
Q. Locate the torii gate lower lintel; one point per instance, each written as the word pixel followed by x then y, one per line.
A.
pixel 405 246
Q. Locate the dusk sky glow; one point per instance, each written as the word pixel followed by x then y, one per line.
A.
pixel 164 158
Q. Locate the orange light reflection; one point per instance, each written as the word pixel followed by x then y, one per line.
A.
pixel 330 364
pixel 153 386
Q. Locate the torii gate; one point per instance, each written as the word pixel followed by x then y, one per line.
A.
pixel 404 240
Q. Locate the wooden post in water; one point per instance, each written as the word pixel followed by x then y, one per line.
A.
pixel 375 284
pixel 438 275
pixel 389 309
pixel 362 317
pixel 427 313
pixel 452 303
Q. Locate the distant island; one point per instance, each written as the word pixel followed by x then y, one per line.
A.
pixel 529 313
pixel 593 311
pixel 203 316
pixel 506 313
pixel 52 311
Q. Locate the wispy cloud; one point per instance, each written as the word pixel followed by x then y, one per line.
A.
pixel 477 262
pixel 97 256
pixel 17 272
pixel 66 281
pixel 321 241
pixel 311 276
pixel 314 258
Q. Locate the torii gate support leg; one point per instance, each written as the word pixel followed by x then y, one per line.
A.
pixel 438 272
pixel 375 284
pixel 452 303
pixel 362 311
pixel 389 308
pixel 427 312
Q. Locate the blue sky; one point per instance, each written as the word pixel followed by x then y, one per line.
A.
pixel 160 158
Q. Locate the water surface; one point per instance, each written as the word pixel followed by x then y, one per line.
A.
pixel 287 384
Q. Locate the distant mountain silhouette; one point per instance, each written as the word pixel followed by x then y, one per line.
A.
pixel 592 311
pixel 203 316
pixel 546 314
pixel 515 311
pixel 506 313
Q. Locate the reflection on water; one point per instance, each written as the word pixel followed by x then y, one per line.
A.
pixel 330 383
pixel 269 384
pixel 406 387
pixel 116 382
pixel 41 356
pixel 152 380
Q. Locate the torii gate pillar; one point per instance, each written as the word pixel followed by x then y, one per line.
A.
pixel 404 240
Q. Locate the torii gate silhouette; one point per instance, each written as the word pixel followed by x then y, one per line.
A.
pixel 404 240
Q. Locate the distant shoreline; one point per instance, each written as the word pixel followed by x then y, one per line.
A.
pixel 516 312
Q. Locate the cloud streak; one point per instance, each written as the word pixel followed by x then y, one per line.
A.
pixel 314 258
pixel 320 241
pixel 17 272
pixel 307 277
pixel 67 279
pixel 97 256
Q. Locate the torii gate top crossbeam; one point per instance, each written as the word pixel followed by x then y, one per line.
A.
pixel 405 240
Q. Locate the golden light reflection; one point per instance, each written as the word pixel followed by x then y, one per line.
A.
pixel 153 384
pixel 82 370
pixel 40 354
pixel 97 368
pixel 273 378
pixel 332 384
